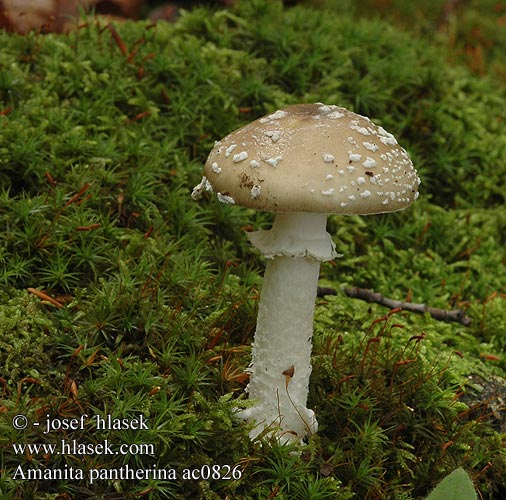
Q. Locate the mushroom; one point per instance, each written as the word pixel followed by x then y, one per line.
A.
pixel 303 162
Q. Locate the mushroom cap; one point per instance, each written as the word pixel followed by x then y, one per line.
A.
pixel 313 158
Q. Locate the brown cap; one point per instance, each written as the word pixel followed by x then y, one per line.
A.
pixel 313 158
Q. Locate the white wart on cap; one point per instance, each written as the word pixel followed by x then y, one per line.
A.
pixel 313 158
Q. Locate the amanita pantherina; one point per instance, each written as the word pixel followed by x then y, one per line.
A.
pixel 303 162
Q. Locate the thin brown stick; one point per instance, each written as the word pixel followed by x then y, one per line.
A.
pixel 457 315
pixel 45 297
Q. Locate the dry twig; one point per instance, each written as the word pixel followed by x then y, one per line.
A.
pixel 457 315
pixel 45 297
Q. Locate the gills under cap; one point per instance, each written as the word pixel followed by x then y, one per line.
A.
pixel 312 158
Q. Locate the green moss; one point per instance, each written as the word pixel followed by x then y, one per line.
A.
pixel 99 150
pixel 387 385
pixel 26 340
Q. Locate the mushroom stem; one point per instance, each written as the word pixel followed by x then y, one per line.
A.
pixel 281 359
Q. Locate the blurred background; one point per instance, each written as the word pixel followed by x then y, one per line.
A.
pixel 58 15
pixel 473 30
